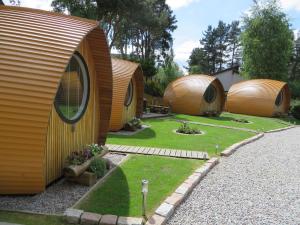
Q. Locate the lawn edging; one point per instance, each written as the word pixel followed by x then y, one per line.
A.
pixel 167 208
pixel 228 151
pixel 280 129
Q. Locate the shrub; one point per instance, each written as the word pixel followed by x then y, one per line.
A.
pixel 133 125
pixel 79 157
pixel 296 112
pixel 241 120
pixel 186 129
pixel 95 149
pixel 98 166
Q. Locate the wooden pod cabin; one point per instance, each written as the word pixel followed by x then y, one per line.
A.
pixel 195 95
pixel 55 94
pixel 128 90
pixel 259 97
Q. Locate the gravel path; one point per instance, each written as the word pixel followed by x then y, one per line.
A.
pixel 258 184
pixel 55 199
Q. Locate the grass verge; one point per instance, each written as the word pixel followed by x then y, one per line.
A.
pixel 226 119
pixel 30 219
pixel 161 135
pixel 120 194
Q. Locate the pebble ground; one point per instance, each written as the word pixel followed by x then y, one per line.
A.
pixel 259 184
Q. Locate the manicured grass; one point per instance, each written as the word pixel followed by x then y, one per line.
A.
pixel 30 219
pixel 121 195
pixel 226 119
pixel 161 135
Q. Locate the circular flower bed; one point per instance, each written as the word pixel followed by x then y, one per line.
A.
pixel 242 121
pixel 185 129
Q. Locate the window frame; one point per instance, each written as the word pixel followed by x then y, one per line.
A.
pixel 86 94
pixel 127 102
pixel 215 91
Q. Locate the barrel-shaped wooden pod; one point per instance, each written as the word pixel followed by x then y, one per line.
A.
pixel 128 90
pixel 195 95
pixel 37 50
pixel 260 97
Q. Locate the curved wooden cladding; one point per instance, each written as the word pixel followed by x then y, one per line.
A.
pixel 35 48
pixel 63 138
pixel 185 95
pixel 123 72
pixel 257 97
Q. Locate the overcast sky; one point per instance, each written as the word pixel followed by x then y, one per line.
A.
pixel 195 15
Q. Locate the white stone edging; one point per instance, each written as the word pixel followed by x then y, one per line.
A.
pixel 167 208
pixel 228 151
pixel 280 129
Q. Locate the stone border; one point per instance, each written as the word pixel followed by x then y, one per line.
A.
pixel 129 133
pixel 280 129
pixel 228 151
pixel 167 208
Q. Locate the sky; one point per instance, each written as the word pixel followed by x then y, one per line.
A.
pixel 194 16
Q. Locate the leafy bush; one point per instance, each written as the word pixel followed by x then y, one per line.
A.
pixel 133 124
pixel 95 149
pixel 296 112
pixel 295 88
pixel 154 88
pixel 79 157
pixel 186 129
pixel 98 166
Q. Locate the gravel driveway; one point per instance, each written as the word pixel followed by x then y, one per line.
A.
pixel 258 184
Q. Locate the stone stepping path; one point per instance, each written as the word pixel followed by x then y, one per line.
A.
pixel 158 151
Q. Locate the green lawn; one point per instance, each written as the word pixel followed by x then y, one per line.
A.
pixel 120 194
pixel 30 219
pixel 226 119
pixel 161 134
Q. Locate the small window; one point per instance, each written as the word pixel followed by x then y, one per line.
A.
pixel 279 98
pixel 210 94
pixel 72 95
pixel 129 94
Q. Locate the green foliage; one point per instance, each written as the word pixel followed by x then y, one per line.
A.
pixel 296 112
pixel 133 125
pixel 267 41
pixel 98 166
pixel 95 149
pixel 154 88
pixel 186 129
pixel 294 68
pixel 79 157
pixel 295 88
pixel 121 195
pixel 220 49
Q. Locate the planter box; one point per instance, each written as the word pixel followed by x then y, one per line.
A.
pixel 77 170
pixel 87 179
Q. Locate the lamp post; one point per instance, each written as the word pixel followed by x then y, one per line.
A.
pixel 144 194
pixel 217 149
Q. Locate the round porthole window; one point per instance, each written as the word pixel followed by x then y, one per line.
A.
pixel 73 93
pixel 279 98
pixel 210 94
pixel 129 94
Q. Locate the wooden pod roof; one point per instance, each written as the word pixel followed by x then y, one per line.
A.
pixel 185 94
pixel 123 72
pixel 257 97
pixel 35 48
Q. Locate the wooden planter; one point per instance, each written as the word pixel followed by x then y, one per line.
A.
pixel 77 170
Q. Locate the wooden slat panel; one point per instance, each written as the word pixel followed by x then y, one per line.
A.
pixel 123 72
pixel 35 47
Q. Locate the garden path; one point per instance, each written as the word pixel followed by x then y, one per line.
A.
pixel 258 184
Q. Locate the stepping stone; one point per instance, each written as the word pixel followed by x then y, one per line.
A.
pixel 156 220
pixel 151 151
pixel 175 199
pixel 165 210
pixel 73 215
pixel 130 221
pixel 178 153
pixel 173 153
pixel 162 152
pixel 108 220
pixel 90 218
pixel 167 152
pixel 194 155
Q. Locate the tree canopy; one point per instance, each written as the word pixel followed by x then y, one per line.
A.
pixel 267 41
